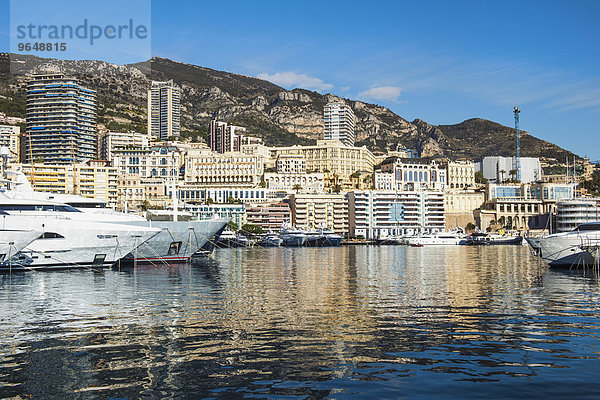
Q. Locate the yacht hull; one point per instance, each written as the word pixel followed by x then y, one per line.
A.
pixel 177 240
pixel 73 244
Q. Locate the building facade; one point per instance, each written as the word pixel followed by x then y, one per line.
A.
pixel 162 161
pixel 111 141
pixel 375 214
pixel 332 157
pixel 93 179
pixel 339 123
pixel 320 211
pixel 10 138
pixel 270 217
pixel 570 214
pixel 223 137
pixel 164 110
pixel 206 168
pixel 460 174
pixel 236 212
pixel 409 174
pixel 61 120
pixel 498 169
pixel 314 182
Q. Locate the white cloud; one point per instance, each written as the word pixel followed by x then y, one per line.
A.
pixel 291 80
pixel 390 93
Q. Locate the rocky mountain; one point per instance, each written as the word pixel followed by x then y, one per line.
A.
pixel 279 116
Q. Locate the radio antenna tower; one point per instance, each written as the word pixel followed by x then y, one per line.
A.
pixel 517 163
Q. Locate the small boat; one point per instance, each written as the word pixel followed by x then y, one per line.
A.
pixel 485 239
pixel 230 239
pixel 270 240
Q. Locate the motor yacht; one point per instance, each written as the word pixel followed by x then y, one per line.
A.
pixel 569 248
pixel 437 238
pixel 70 238
pixel 177 240
pixel 292 237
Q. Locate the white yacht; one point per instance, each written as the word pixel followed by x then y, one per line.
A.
pixel 292 237
pixel 176 241
pixel 13 241
pixel 70 238
pixel 568 248
pixel 438 238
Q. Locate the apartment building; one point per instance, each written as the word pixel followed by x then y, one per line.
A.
pixel 338 119
pixel 61 120
pixel 313 211
pixel 313 182
pixel 374 214
pixel 270 217
pixel 223 137
pixel 10 138
pixel 112 141
pixel 93 179
pixel 164 110
pixel 235 212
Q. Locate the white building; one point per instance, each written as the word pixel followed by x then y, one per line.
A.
pixel 111 141
pixel 497 169
pixel 204 167
pixel 339 123
pixel 164 110
pixel 314 182
pixel 570 214
pixel 9 138
pixel 313 211
pixel 291 164
pixel 375 214
pixel 236 212
pixel 223 137
pixel 408 174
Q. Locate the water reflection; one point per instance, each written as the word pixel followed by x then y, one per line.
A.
pixel 358 321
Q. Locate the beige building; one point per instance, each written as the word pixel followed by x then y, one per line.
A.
pixel 9 138
pixel 314 182
pixel 206 168
pixel 291 164
pixel 138 193
pixel 162 161
pixel 93 179
pixel 313 211
pixel 460 174
pixel 270 217
pixel 331 156
pixel 111 141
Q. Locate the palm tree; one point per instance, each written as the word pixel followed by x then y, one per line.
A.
pixel 297 187
pixel 513 173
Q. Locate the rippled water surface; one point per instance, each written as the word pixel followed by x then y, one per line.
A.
pixel 346 322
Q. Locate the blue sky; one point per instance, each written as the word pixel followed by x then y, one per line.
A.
pixel 441 61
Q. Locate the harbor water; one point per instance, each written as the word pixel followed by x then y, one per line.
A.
pixel 371 322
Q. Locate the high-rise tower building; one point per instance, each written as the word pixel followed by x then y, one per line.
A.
pixel 339 123
pixel 164 109
pixel 61 120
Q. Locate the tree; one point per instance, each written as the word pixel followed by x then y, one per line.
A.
pixel 209 201
pixel 479 178
pixel 502 221
pixel 232 226
pixel 254 229
pixel 144 206
pixel 337 189
pixel 513 174
pixel 471 226
pixel 297 187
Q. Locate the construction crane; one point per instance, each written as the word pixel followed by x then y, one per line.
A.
pixel 517 162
